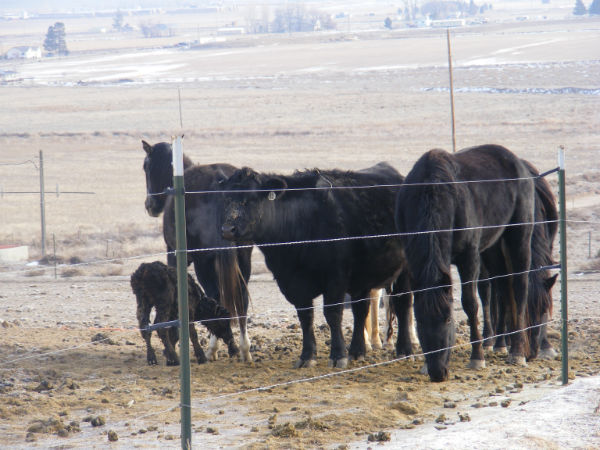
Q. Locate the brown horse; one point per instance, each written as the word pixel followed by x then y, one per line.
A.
pixel 223 274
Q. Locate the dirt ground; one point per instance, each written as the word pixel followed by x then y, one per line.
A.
pixel 72 365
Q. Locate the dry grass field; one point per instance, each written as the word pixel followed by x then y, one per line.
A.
pixel 274 103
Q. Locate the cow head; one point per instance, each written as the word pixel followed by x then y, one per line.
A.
pixel 249 197
pixel 159 175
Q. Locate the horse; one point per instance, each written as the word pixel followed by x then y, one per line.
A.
pixel 155 287
pixel 539 298
pixel 450 209
pixel 223 274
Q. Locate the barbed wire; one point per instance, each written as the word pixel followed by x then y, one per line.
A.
pixel 175 323
pixel 170 191
pixel 28 161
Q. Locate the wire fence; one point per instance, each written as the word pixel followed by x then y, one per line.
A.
pixel 6 364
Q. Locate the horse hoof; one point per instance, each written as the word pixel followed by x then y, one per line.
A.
pixel 500 350
pixel 305 363
pixel 423 370
pixel 517 360
pixel 172 363
pixel 341 363
pixel 548 353
pixel 246 356
pixel 476 364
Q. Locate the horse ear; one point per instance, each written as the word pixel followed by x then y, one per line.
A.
pixel 549 282
pixel 275 186
pixel 147 147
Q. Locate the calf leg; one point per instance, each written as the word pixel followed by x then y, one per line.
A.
pixel 143 315
pixel 200 356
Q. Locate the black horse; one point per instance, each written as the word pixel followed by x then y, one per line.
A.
pixel 539 298
pixel 451 218
pixel 223 274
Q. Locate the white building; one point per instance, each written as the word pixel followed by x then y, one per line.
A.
pixel 24 52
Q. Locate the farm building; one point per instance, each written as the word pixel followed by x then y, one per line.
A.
pixel 24 52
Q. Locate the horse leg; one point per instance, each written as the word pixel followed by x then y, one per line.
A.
pixel 368 330
pixel 499 308
pixel 372 339
pixel 484 288
pixel 401 301
pixel 374 318
pixel 308 356
pixel 244 340
pixel 207 278
pixel 546 349
pixel 245 267
pixel 468 268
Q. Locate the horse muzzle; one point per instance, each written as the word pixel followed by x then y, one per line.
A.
pixel 151 207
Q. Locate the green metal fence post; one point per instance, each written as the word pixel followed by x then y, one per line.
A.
pixel 563 265
pixel 182 294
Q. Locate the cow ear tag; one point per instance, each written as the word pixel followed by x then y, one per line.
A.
pixel 271 196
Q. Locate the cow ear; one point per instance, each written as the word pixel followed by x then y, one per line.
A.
pixel 274 185
pixel 220 177
pixel 147 147
pixel 549 282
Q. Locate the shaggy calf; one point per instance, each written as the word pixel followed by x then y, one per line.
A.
pixel 155 286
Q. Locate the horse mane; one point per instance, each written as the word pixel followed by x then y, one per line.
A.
pixel 435 166
pixel 187 162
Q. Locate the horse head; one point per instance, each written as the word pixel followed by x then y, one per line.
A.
pixel 159 175
pixel 435 327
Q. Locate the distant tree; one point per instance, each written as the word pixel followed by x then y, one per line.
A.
pixel 579 9
pixel 473 8
pixel 55 40
pixel 295 17
pixel 118 20
pixel 594 8
pixel 50 41
pixel 387 23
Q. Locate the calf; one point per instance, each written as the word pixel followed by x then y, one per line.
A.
pixel 155 286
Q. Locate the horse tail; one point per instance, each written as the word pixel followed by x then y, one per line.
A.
pixel 512 302
pixel 232 285
pixel 390 314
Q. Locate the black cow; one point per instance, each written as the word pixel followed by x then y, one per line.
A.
pixel 312 205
